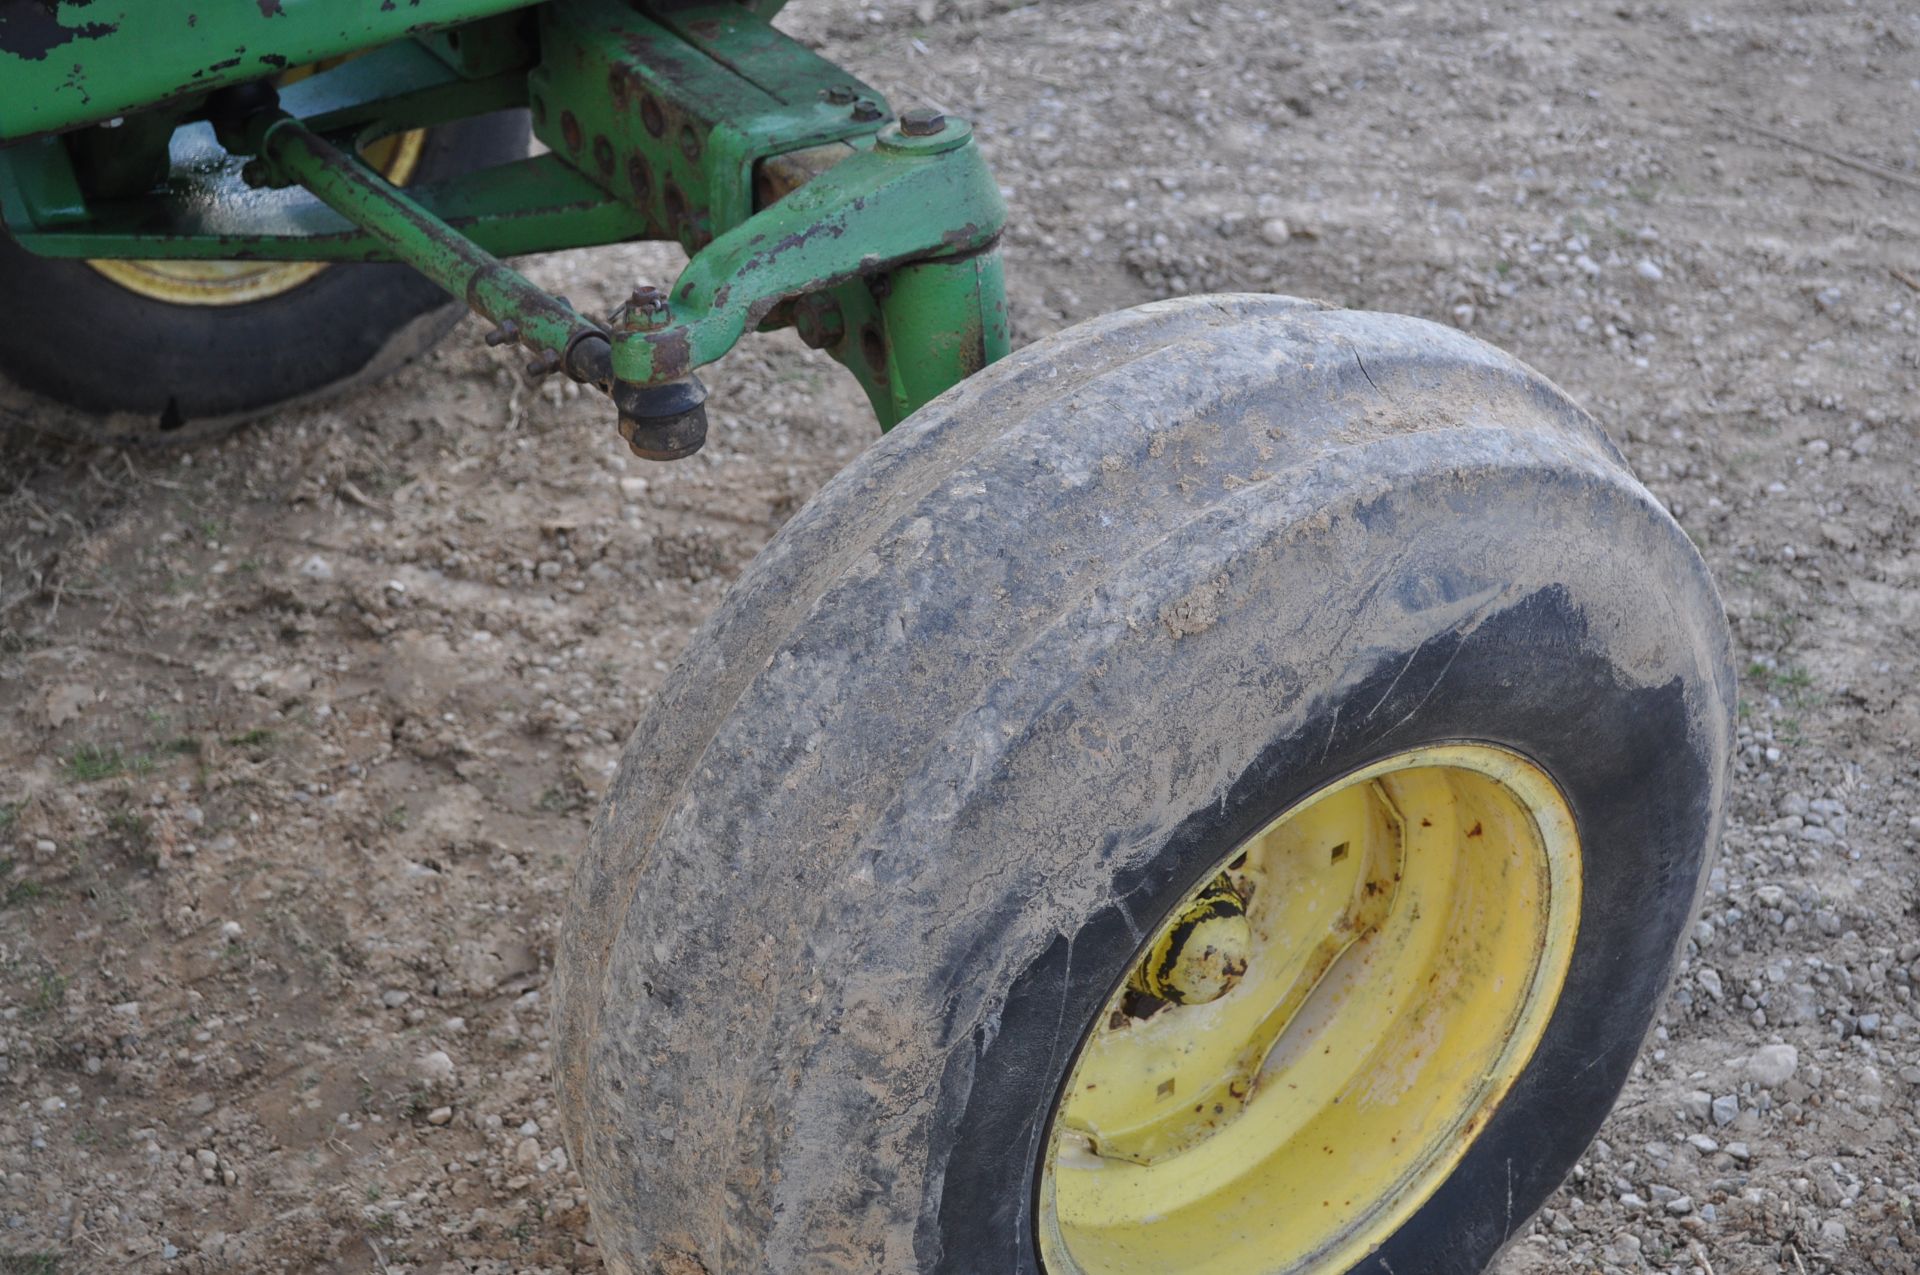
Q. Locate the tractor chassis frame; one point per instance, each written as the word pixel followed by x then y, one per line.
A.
pixel 798 196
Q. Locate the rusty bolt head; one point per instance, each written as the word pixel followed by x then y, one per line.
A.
pixel 647 307
pixel 544 364
pixel 256 172
pixel 838 94
pixel 922 121
pixel 506 334
pixel 867 110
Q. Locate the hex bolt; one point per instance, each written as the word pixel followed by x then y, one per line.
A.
pixel 256 172
pixel 647 307
pixel 506 334
pixel 838 94
pixel 867 110
pixel 922 121
pixel 544 364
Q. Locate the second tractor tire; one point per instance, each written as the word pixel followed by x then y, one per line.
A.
pixel 109 365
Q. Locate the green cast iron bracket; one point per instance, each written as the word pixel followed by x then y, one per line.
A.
pixel 907 199
pixel 672 110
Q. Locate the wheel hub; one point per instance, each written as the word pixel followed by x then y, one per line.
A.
pixel 1408 930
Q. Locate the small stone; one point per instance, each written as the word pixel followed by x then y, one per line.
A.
pixel 440 1115
pixel 206 1158
pixel 1726 1109
pixel 1699 1104
pixel 1709 980
pixel 1276 231
pixel 526 1153
pixel 1833 1231
pixel 1702 1143
pixel 1680 1205
pixel 395 997
pixel 317 568
pixel 231 931
pixel 1739 1151
pixel 1649 271
pixel 436 1067
pixel 1773 1065
pixel 1632 1203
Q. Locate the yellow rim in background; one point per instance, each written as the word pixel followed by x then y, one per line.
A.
pixel 206 283
pixel 1411 927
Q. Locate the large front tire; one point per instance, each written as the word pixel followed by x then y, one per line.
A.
pixel 1232 586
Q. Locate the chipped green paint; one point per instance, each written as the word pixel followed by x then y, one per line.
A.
pixel 65 64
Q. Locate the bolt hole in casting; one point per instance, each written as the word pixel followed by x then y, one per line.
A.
pixel 1307 1048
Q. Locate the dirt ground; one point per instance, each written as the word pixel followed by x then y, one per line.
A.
pixel 300 731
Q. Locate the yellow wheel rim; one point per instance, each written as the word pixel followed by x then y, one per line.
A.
pixel 206 283
pixel 1410 929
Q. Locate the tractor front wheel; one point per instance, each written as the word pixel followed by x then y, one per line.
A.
pixel 1218 791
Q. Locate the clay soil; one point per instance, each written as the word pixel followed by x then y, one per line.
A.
pixel 300 731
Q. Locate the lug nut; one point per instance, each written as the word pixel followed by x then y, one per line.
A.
pixel 922 121
pixel 838 94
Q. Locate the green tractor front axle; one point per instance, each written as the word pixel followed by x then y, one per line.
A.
pixel 800 199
